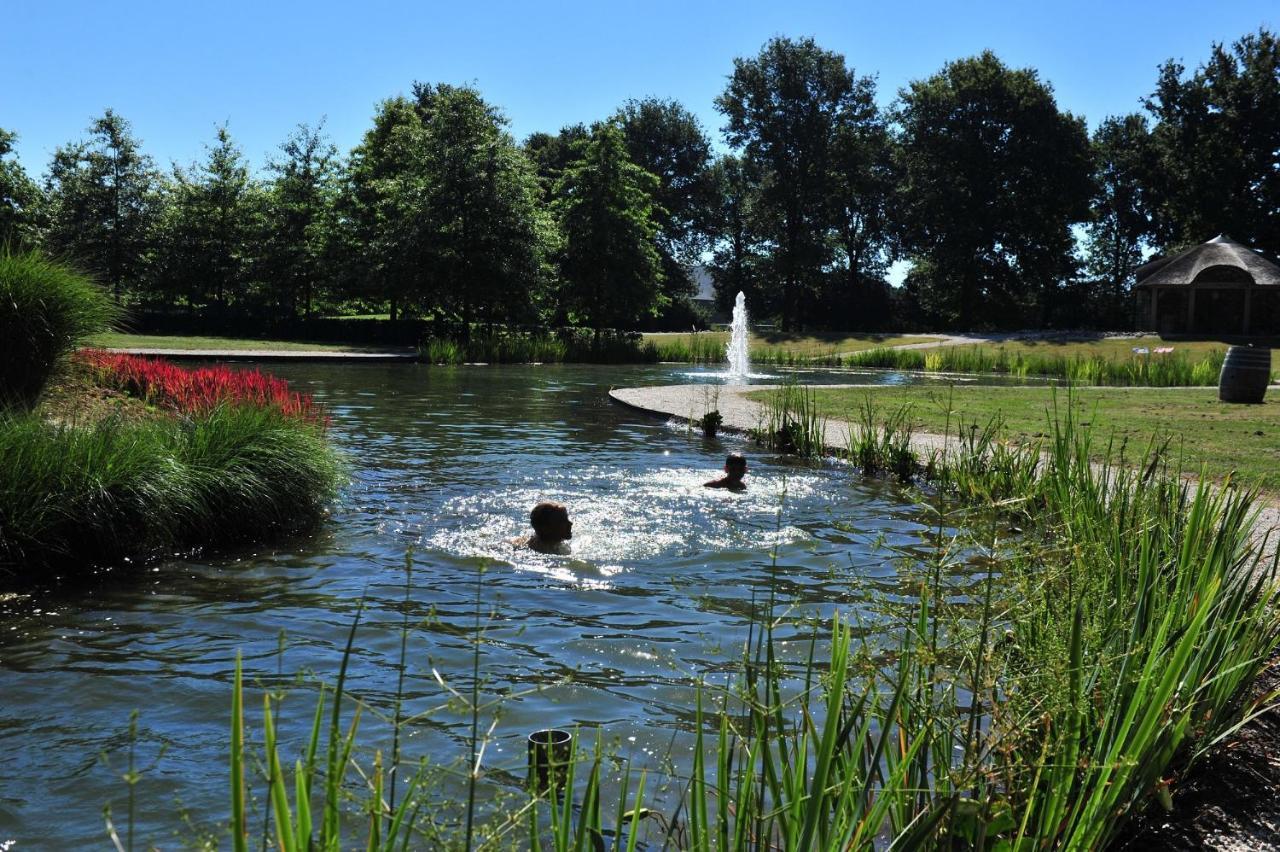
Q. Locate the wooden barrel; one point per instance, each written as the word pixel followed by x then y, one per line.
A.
pixel 1245 374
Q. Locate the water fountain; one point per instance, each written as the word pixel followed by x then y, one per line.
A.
pixel 737 351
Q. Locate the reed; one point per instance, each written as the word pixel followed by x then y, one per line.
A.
pixel 1171 370
pixel 792 423
pixel 569 345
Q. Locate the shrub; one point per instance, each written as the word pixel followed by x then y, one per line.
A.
pixel 46 309
pixel 194 390
pixel 73 498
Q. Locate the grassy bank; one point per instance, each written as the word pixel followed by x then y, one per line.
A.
pixel 777 348
pixel 1244 439
pixel 116 340
pixel 131 458
pixel 1039 688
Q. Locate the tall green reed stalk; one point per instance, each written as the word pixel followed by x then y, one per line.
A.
pixel 1171 370
pixel 792 423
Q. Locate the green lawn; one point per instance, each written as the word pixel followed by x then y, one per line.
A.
pixel 113 340
pixel 1225 438
pixel 1113 347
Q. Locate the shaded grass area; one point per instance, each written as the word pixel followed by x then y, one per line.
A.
pixel 114 340
pixel 46 308
pixel 772 348
pixel 1225 438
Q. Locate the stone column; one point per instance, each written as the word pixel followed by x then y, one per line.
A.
pixel 1248 306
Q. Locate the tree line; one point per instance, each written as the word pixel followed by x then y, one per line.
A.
pixel 1007 210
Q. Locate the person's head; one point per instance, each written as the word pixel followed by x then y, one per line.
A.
pixel 735 465
pixel 551 522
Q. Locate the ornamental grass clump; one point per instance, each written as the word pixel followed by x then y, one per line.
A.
pixel 74 499
pixel 46 310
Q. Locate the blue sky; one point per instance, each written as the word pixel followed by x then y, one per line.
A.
pixel 176 70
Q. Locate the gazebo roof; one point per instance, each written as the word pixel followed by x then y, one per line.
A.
pixel 1221 260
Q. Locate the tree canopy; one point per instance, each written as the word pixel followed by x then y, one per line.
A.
pixel 1005 211
pixel 994 176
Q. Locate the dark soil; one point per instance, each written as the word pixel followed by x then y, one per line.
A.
pixel 1230 800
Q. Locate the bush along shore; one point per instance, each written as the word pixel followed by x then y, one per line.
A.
pixel 216 456
pixel 1060 666
pixel 202 456
pixel 567 345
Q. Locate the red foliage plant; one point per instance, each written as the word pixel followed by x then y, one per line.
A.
pixel 193 390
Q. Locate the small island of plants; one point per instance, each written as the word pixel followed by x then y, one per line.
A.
pixel 111 458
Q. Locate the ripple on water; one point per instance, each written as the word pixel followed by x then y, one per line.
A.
pixel 658 591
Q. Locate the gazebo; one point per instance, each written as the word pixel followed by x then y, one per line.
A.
pixel 1218 287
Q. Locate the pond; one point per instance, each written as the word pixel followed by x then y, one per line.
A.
pixel 446 462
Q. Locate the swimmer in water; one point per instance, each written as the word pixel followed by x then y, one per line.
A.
pixel 735 468
pixel 552 529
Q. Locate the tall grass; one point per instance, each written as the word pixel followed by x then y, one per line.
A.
pixel 46 309
pixel 1171 370
pixel 710 348
pixel 74 498
pixel 569 345
pixel 792 423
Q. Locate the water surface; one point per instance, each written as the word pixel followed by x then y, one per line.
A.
pixel 447 462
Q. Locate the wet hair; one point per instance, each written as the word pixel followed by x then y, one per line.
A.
pixel 545 512
pixel 735 460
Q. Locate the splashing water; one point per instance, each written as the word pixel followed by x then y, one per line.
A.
pixel 739 356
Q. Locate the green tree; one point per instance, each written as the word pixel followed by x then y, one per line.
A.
pixel 1120 222
pixel 21 201
pixel 666 139
pixel 299 212
pixel 208 234
pixel 551 154
pixel 488 236
pixel 994 176
pixel 610 262
pixel 736 256
pixel 379 241
pixel 785 109
pixel 862 188
pixel 1217 146
pixel 102 195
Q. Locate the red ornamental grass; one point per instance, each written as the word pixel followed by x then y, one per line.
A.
pixel 192 390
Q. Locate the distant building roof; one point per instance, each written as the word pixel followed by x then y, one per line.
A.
pixel 1222 260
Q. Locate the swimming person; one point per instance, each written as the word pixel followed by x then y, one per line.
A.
pixel 735 468
pixel 551 528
